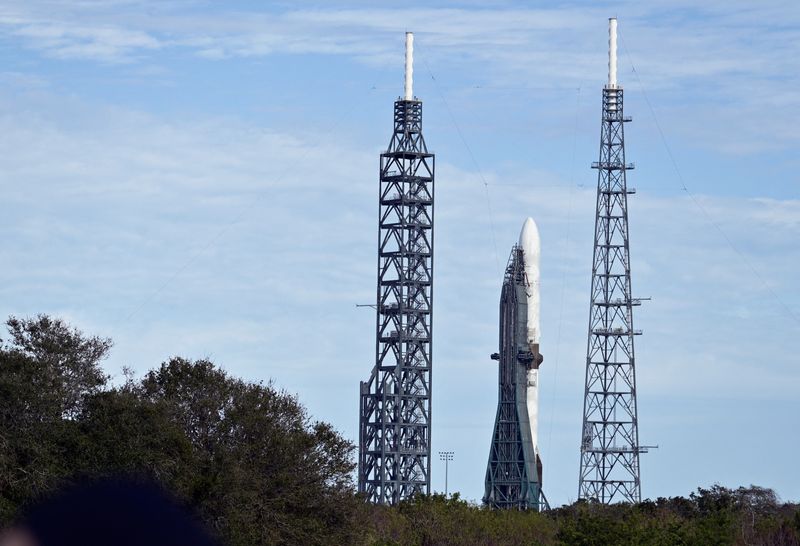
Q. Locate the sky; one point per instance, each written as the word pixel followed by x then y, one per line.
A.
pixel 200 179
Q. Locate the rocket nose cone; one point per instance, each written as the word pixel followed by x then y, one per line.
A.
pixel 529 237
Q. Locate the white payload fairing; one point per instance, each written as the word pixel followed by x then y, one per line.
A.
pixel 514 472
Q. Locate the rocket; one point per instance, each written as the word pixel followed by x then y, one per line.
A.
pixel 514 471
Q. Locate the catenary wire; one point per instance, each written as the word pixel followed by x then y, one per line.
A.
pixel 565 252
pixel 744 258
pixel 472 158
pixel 213 241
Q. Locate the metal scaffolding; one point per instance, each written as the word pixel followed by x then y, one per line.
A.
pixel 395 410
pixel 514 472
pixel 610 449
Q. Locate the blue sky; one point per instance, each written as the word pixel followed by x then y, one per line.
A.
pixel 200 179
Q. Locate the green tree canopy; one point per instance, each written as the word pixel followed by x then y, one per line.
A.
pixel 259 470
pixel 245 455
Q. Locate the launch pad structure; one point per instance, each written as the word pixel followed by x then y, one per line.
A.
pixel 514 472
pixel 394 455
pixel 609 466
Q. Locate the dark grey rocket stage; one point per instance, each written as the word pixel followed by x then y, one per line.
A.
pixel 514 472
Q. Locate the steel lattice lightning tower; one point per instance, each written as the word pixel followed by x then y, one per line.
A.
pixel 394 458
pixel 610 438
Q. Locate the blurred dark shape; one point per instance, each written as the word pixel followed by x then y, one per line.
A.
pixel 114 512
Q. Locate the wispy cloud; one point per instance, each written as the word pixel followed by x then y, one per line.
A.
pixel 71 40
pixel 675 44
pixel 709 67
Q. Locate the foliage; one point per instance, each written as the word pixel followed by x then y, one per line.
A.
pixel 259 470
pixel 246 456
pixel 436 520
pixel 47 372
pixel 745 516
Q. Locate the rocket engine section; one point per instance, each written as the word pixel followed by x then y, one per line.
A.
pixel 514 472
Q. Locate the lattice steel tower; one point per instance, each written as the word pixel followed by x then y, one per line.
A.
pixel 395 412
pixel 610 438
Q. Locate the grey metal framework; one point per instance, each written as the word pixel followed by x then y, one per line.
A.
pixel 610 447
pixel 394 458
pixel 514 471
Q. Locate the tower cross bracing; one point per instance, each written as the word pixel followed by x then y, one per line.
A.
pixel 395 410
pixel 609 467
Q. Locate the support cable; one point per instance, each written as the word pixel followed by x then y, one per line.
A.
pixel 696 202
pixel 213 241
pixel 472 157
pixel 564 272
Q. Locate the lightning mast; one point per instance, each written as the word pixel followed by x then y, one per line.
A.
pixel 394 456
pixel 609 470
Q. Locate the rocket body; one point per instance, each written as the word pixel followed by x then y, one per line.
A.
pixel 514 472
pixel 530 244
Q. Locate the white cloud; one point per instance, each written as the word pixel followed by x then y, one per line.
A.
pixel 549 44
pixel 713 70
pixel 74 41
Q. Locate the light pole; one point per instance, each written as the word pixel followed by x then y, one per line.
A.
pixel 446 456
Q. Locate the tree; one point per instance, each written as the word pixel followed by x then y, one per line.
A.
pixel 265 472
pixel 259 470
pixel 245 455
pixel 47 370
pixel 61 363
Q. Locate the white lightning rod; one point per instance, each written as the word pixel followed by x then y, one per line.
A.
pixel 409 87
pixel 612 53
